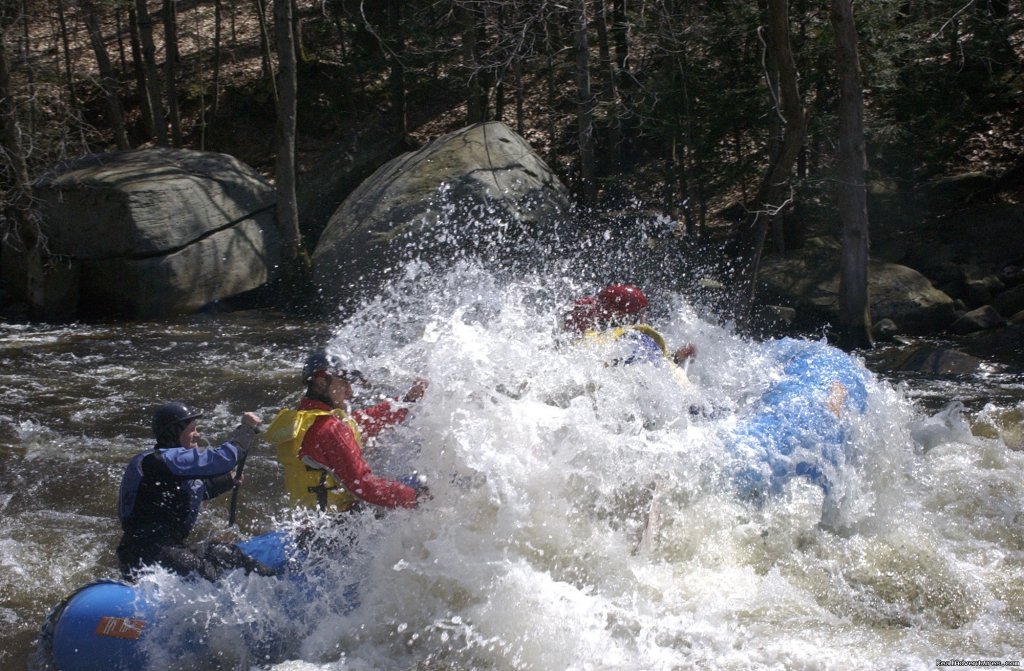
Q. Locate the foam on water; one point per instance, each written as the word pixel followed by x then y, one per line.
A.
pixel 582 515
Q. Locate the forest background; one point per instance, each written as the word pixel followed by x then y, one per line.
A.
pixel 744 122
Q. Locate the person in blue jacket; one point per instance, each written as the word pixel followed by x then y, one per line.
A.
pixel 163 488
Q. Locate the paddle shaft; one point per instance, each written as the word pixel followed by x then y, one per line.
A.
pixel 234 491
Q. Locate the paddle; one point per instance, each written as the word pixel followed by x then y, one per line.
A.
pixel 234 490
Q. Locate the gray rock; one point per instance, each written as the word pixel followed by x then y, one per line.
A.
pixel 150 232
pixel 979 286
pixel 1011 275
pixel 908 298
pixel 480 186
pixel 147 201
pixel 981 319
pixel 1005 344
pixel 931 360
pixel 1011 301
pixel 808 278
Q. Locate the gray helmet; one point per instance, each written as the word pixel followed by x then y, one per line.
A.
pixel 170 419
pixel 319 362
pixel 322 362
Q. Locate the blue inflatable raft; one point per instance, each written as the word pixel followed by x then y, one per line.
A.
pixel 109 625
pixel 106 625
pixel 800 426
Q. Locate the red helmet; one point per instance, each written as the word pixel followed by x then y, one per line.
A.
pixel 622 299
pixel 582 316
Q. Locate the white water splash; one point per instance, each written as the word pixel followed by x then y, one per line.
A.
pixel 583 516
pixel 581 520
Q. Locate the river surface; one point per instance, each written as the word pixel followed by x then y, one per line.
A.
pixel 578 517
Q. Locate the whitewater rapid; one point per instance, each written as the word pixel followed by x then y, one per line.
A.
pixel 583 516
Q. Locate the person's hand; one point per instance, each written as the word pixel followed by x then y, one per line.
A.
pixel 419 484
pixel 251 419
pixel 688 351
pixel 415 393
pixel 238 481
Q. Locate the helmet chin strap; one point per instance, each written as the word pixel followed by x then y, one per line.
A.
pixel 169 436
pixel 319 396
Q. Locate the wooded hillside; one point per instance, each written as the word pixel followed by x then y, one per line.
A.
pixel 681 107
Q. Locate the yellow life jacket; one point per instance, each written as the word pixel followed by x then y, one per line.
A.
pixel 613 334
pixel 305 484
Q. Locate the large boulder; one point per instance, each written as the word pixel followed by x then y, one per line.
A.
pixel 808 280
pixel 482 185
pixel 148 232
pixel 322 186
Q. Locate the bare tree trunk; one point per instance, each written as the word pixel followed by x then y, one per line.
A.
pixel 218 51
pixel 585 106
pixel 171 69
pixel 19 226
pixel 68 75
pixel 108 81
pixel 551 88
pixel 396 77
pixel 300 45
pixel 152 73
pixel 776 130
pixel 620 30
pixel 609 91
pixel 672 189
pixel 27 66
pixel 499 100
pixel 774 196
pixel 200 77
pixel 691 177
pixel 478 95
pixel 268 70
pixel 854 305
pixel 296 261
pixel 517 69
pixel 119 27
pixel 142 89
pixel 20 195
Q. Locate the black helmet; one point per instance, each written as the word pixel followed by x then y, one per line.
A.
pixel 319 362
pixel 322 362
pixel 170 419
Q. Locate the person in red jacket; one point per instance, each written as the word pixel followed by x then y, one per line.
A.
pixel 321 445
pixel 620 311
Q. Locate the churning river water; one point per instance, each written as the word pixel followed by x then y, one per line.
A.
pixel 578 518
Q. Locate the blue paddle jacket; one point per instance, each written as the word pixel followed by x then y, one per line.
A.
pixel 162 489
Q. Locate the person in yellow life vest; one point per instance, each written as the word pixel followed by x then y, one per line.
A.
pixel 617 313
pixel 321 445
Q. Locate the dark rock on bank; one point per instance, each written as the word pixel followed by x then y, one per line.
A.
pixel 145 233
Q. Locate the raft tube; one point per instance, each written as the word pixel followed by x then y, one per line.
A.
pixel 800 426
pixel 104 625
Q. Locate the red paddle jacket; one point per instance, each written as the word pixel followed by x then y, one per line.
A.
pixel 331 443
